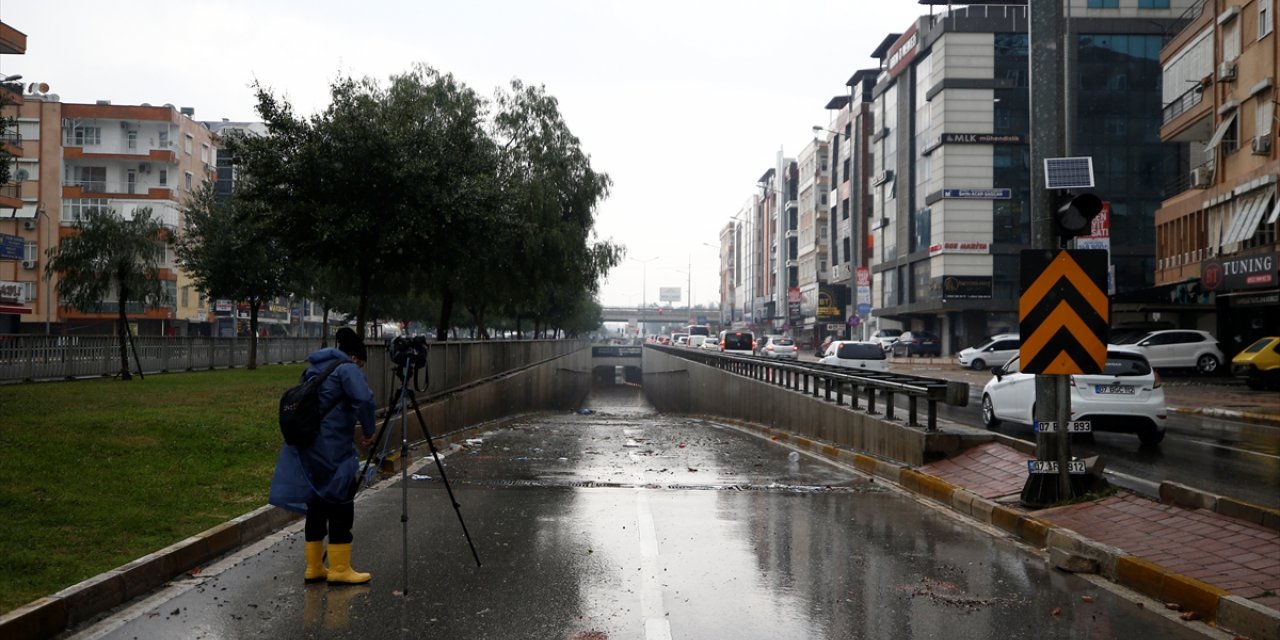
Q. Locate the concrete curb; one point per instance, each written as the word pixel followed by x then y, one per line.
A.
pixel 81 602
pixel 1072 552
pixel 1252 417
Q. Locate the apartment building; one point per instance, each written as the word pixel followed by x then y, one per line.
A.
pixel 79 157
pixel 950 157
pixel 813 238
pixel 1217 252
pixel 18 295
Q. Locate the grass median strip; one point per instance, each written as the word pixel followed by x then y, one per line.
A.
pixel 96 473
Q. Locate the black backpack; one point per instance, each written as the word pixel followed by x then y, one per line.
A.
pixel 300 410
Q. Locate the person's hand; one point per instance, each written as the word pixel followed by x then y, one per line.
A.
pixel 366 440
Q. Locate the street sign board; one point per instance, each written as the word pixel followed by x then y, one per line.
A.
pixel 11 247
pixel 1064 313
pixel 1075 426
pixel 1051 466
pixel 669 294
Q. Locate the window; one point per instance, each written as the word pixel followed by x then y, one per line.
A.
pixel 28 291
pixel 188 181
pixel 186 144
pixel 1106 4
pixel 30 251
pixel 1153 4
pixel 74 209
pixel 204 153
pixel 82 136
pixel 164 177
pixel 91 178
pixel 186 296
pixel 163 140
pixel 29 129
pixel 1264 113
pixel 1231 40
pixel 1264 18
pixel 132 139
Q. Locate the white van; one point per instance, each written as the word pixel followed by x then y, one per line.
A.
pixel 738 342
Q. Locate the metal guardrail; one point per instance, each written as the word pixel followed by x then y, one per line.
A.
pixel 834 383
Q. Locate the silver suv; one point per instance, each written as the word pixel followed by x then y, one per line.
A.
pixel 886 337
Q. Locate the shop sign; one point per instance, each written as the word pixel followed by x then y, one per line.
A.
pixel 966 287
pixel 903 51
pixel 978 194
pixel 12 292
pixel 1241 272
pixel 959 247
pixel 1257 300
pixel 830 304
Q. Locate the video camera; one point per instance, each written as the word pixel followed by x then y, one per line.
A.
pixel 409 350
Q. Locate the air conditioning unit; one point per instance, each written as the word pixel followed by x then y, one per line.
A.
pixel 29 224
pixel 1227 71
pixel 1201 177
pixel 144 167
pixel 1261 145
pixel 29 265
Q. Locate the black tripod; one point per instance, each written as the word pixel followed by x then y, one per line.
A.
pixel 400 399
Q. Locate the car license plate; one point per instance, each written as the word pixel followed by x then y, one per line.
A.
pixel 1113 389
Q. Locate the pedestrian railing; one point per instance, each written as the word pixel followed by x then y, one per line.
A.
pixel 869 391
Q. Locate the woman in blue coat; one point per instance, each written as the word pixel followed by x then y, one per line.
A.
pixel 316 479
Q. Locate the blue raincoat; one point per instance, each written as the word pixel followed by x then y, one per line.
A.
pixel 325 468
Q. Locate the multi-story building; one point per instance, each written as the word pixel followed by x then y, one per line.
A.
pixel 777 219
pixel 950 186
pixel 812 237
pixel 850 204
pixel 75 158
pixel 1217 251
pixel 18 291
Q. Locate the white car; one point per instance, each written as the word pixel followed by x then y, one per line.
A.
pixel 868 356
pixel 992 353
pixel 712 343
pixel 1126 397
pixel 1179 349
pixel 695 341
pixel 886 337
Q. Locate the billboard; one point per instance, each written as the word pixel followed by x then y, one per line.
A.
pixel 669 294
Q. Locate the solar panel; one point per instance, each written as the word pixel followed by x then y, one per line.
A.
pixel 1068 173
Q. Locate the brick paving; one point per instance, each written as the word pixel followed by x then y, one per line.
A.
pixel 1240 557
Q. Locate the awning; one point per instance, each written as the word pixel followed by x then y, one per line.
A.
pixel 1275 213
pixel 4 308
pixel 1248 214
pixel 1222 131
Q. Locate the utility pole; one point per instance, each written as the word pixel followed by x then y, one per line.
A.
pixel 1046 48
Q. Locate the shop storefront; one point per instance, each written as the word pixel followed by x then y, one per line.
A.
pixel 1246 292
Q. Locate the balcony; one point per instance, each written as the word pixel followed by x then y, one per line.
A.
pixel 11 142
pixel 11 196
pixel 11 93
pixel 108 189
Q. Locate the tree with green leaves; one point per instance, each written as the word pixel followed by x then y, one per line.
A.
pixel 111 254
pixel 378 183
pixel 228 255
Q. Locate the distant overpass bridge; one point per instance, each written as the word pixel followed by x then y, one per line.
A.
pixel 667 315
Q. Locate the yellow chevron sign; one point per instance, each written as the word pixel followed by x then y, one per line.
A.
pixel 1064 313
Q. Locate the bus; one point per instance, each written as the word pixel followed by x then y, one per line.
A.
pixel 697 330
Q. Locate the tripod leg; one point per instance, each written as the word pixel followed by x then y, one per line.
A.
pixel 457 508
pixel 373 448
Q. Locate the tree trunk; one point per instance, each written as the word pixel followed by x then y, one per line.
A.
pixel 124 338
pixel 362 314
pixel 324 328
pixel 254 303
pixel 446 310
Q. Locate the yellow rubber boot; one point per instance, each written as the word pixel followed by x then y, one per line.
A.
pixel 315 562
pixel 340 571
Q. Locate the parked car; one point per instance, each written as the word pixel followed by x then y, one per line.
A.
pixel 775 346
pixel 1259 364
pixel 856 354
pixel 886 337
pixel 917 343
pixel 992 353
pixel 1179 349
pixel 712 343
pixel 1127 397
pixel 738 342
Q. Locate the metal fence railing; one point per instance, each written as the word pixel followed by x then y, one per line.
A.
pixel 38 357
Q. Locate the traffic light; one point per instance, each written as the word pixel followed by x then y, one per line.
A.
pixel 1073 215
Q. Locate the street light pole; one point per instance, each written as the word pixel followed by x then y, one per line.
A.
pixel 644 286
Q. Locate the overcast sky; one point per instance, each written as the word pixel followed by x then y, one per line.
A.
pixel 683 103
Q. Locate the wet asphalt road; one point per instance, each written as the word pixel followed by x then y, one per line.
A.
pixel 625 524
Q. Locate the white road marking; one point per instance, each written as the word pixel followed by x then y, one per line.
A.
pixel 656 625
